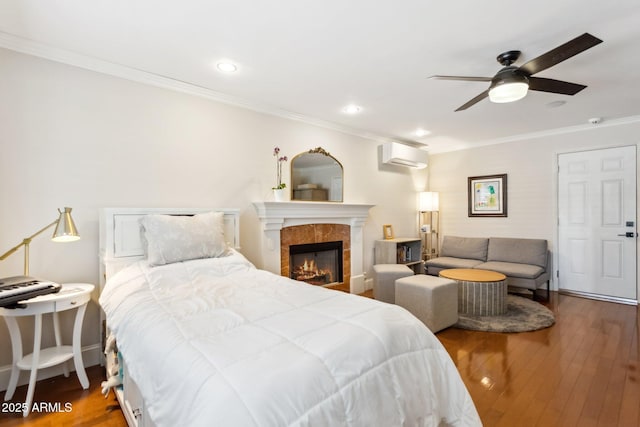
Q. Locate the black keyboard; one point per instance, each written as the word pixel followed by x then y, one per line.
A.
pixel 20 288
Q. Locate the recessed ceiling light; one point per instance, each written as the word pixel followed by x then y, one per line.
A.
pixel 352 109
pixel 227 67
pixel 421 132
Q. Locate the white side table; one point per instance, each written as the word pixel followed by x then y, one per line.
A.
pixel 71 296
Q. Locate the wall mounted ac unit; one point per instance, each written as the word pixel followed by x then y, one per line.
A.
pixel 394 153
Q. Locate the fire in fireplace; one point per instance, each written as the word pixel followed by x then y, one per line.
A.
pixel 316 263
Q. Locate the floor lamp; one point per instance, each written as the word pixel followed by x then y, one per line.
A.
pixel 65 232
pixel 428 205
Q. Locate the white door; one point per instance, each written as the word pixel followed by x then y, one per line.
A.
pixel 597 222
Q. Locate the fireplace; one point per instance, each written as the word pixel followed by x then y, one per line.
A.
pixel 291 223
pixel 316 263
pixel 326 236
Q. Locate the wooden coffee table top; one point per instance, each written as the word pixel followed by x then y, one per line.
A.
pixel 472 275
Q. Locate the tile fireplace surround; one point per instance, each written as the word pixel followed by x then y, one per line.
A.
pixel 275 216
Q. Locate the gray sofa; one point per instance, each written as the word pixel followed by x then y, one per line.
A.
pixel 525 262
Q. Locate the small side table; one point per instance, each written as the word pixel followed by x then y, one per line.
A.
pixel 480 292
pixel 71 296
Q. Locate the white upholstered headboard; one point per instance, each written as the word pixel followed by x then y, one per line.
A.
pixel 120 242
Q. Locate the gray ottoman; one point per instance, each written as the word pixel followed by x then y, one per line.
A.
pixel 433 300
pixel 384 278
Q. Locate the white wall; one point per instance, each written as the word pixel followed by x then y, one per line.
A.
pixel 72 137
pixel 531 168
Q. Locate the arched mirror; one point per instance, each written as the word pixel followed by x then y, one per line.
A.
pixel 316 176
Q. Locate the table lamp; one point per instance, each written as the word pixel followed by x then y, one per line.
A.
pixel 65 231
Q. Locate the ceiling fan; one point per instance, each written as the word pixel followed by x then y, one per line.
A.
pixel 511 83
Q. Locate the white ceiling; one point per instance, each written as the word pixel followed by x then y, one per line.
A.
pixel 308 59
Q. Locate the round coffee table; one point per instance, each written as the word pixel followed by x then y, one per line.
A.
pixel 480 292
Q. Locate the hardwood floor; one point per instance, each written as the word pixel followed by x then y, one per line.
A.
pixel 583 371
pixel 88 407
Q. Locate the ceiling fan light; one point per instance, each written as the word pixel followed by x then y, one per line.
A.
pixel 508 92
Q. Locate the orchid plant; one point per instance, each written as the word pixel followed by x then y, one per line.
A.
pixel 279 160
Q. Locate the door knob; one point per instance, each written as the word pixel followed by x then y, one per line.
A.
pixel 629 234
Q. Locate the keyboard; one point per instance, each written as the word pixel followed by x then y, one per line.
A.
pixel 20 288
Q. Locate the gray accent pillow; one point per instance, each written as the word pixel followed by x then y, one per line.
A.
pixel 465 247
pixel 523 251
pixel 172 238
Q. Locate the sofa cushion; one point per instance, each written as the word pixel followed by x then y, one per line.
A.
pixel 465 247
pixel 522 251
pixel 450 262
pixel 512 269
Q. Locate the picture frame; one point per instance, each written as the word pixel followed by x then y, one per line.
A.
pixel 487 195
pixel 387 231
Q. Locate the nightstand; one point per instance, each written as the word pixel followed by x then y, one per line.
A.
pixel 71 296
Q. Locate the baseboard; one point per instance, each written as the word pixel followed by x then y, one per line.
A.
pixel 598 297
pixel 91 355
pixel 368 284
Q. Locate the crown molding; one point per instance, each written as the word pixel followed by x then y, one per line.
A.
pixel 30 47
pixel 41 50
pixel 564 130
pixel 541 134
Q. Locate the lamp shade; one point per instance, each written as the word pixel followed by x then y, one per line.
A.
pixel 66 230
pixel 428 201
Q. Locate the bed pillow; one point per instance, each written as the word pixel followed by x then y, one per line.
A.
pixel 172 238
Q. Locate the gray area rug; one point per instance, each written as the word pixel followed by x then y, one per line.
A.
pixel 522 315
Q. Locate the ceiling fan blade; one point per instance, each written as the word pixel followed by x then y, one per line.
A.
pixel 554 86
pixel 468 79
pixel 561 53
pixel 475 100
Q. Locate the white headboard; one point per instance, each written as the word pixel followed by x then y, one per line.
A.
pixel 120 242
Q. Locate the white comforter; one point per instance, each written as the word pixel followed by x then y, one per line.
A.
pixel 219 342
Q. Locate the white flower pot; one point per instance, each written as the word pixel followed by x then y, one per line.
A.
pixel 280 195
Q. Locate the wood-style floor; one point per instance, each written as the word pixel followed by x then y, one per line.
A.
pixel 88 407
pixel 583 371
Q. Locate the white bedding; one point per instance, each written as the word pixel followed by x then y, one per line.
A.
pixel 219 342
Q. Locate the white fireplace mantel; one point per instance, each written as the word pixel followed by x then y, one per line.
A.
pixel 276 215
pixel 273 214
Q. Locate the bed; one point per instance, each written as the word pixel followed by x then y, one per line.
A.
pixel 212 340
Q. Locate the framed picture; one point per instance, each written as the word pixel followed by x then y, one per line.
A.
pixel 387 231
pixel 488 195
